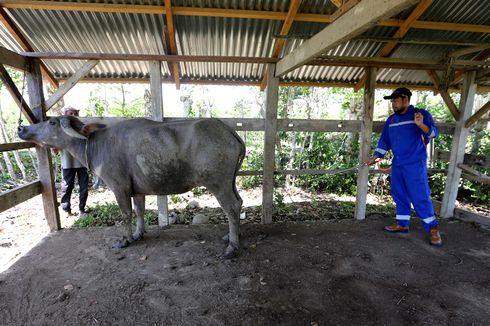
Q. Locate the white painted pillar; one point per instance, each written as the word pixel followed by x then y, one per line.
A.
pixel 365 139
pixel 157 115
pixel 272 95
pixel 458 145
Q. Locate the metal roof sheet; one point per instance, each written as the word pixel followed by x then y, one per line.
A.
pixel 134 33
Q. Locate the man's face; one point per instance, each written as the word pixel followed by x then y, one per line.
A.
pixel 72 113
pixel 399 104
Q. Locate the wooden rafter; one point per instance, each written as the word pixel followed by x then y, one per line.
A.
pixel 172 44
pixel 402 30
pixel 288 22
pixel 215 12
pixel 23 43
pixel 346 6
pixel 337 3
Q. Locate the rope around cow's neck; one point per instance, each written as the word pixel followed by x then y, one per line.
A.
pixel 86 152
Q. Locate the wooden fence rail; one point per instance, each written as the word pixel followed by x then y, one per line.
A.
pixel 20 194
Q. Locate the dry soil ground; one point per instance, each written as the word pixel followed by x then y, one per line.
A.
pixel 334 272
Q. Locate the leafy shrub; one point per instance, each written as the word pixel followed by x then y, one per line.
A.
pixel 105 214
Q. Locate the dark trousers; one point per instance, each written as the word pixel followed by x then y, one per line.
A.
pixel 67 185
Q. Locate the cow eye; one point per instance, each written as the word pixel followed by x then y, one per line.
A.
pixel 52 122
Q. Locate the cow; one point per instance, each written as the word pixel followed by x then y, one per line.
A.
pixel 139 157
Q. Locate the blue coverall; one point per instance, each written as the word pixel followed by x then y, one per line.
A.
pixel 409 182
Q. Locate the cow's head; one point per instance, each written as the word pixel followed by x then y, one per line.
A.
pixel 57 131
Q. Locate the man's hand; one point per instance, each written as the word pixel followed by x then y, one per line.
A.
pixel 371 160
pixel 419 119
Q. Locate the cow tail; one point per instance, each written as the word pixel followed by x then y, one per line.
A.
pixel 241 156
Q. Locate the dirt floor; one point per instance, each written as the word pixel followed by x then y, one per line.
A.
pixel 337 272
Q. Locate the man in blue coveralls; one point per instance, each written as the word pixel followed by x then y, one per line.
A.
pixel 407 133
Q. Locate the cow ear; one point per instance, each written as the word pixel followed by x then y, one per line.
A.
pixel 90 128
pixel 66 125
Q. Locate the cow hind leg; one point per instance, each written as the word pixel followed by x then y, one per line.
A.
pixel 231 203
pixel 139 208
pixel 124 202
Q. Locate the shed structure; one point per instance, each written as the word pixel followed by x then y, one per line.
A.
pixel 436 45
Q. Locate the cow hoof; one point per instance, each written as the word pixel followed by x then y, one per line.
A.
pixel 123 243
pixel 226 238
pixel 137 237
pixel 230 252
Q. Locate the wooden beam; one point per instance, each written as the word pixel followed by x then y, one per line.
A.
pixel 387 50
pixel 337 3
pixel 14 197
pixel 365 146
pixel 458 146
pixel 72 81
pixel 16 95
pixel 469 159
pixel 15 146
pixel 272 96
pixel 230 82
pixel 12 59
pixel 477 115
pixel 146 57
pixel 217 12
pixel 172 45
pixel 468 50
pixel 378 62
pixel 442 26
pixel 353 23
pixel 293 9
pixel 23 43
pixel 459 74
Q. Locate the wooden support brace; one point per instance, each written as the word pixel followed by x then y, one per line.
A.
pixel 72 81
pixel 16 95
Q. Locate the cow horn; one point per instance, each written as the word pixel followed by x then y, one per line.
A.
pixel 68 129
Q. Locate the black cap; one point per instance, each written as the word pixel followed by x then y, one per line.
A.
pixel 399 92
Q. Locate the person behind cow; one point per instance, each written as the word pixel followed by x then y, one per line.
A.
pixel 406 133
pixel 71 167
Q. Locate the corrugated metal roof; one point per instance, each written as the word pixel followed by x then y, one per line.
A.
pixel 132 33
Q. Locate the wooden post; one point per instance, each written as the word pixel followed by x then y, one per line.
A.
pixel 157 115
pixel 46 173
pixel 365 139
pixel 272 93
pixel 458 145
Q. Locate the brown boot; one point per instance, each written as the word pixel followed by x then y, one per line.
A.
pixel 396 228
pixel 435 237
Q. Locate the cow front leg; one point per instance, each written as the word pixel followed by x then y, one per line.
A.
pixel 139 208
pixel 124 202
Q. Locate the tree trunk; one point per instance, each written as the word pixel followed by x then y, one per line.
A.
pixel 34 161
pixel 10 168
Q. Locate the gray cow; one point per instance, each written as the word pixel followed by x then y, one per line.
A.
pixel 141 157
